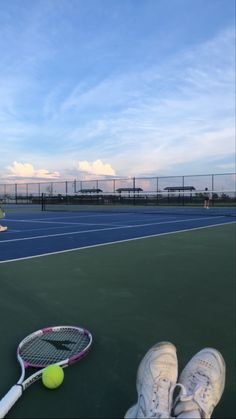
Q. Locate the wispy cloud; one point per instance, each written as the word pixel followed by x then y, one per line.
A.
pixel 164 115
pixel 149 116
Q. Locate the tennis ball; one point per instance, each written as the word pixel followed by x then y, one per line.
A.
pixel 52 376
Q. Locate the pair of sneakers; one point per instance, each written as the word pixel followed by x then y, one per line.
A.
pixel 200 384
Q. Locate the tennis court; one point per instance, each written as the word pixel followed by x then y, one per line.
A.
pixel 132 279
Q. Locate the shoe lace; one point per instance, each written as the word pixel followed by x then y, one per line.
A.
pixel 162 398
pixel 198 394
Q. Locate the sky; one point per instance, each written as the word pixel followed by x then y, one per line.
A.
pixel 107 88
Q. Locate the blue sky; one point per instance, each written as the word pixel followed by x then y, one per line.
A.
pixel 92 88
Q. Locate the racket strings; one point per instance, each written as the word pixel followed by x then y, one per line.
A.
pixel 53 347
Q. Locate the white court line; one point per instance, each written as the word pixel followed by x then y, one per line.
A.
pixel 116 223
pixel 58 222
pixel 72 216
pixel 43 229
pixel 114 242
pixel 54 219
pixel 102 229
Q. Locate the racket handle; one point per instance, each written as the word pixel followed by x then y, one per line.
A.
pixel 9 399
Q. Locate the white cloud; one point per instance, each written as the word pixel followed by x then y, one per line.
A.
pixel 27 170
pixel 97 167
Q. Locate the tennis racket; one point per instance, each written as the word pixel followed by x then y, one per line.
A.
pixel 61 345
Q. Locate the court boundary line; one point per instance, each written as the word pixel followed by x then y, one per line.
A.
pixel 114 242
pixel 95 230
pixel 56 222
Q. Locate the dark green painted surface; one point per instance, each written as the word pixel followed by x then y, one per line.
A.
pixel 130 295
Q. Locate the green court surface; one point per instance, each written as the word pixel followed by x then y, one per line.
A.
pixel 177 287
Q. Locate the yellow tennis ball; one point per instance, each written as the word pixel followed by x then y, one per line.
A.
pixel 52 376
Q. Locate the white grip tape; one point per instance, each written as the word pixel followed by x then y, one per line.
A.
pixel 9 399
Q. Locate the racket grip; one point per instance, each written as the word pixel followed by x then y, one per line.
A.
pixel 9 399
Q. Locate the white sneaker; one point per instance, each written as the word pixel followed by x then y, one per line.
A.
pixel 202 384
pixel 156 380
pixel 2 228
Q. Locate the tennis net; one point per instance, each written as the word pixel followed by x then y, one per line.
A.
pixel 170 202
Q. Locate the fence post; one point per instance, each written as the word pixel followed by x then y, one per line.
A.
pixel 16 192
pixel 134 196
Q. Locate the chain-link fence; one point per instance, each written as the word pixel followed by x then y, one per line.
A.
pixel 29 193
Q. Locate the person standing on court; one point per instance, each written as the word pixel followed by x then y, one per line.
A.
pixel 206 198
pixel 2 215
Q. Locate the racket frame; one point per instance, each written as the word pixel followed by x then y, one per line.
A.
pixel 22 384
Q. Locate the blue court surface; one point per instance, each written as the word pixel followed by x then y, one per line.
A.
pixel 40 233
